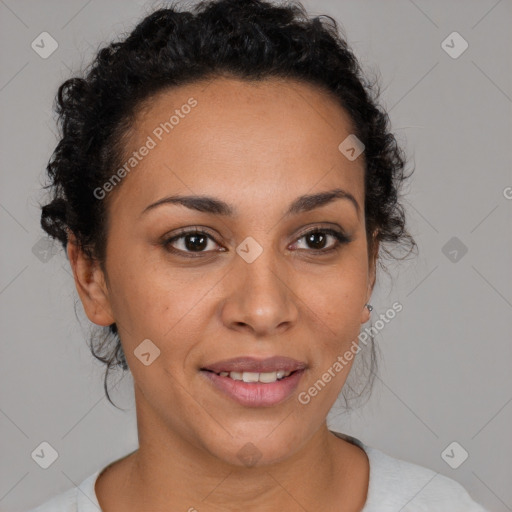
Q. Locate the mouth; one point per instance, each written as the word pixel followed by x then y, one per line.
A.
pixel 254 389
pixel 253 382
pixel 248 377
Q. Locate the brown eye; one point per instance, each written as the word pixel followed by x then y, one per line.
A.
pixel 189 242
pixel 318 239
pixel 195 242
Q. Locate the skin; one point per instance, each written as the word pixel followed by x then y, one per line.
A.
pixel 256 146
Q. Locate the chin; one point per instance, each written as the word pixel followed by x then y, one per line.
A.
pixel 255 445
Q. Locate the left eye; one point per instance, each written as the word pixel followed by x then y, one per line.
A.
pixel 318 239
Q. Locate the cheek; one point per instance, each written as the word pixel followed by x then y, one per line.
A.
pixel 149 289
pixel 335 298
pixel 333 308
pixel 171 308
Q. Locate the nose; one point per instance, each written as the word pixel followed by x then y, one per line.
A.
pixel 261 300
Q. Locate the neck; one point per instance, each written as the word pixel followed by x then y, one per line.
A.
pixel 170 472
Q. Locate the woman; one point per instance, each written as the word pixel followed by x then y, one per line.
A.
pixel 223 187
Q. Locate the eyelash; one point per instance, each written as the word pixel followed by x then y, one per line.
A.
pixel 340 240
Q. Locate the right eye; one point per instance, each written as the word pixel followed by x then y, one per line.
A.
pixel 189 242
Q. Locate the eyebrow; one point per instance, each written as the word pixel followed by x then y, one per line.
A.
pixel 207 204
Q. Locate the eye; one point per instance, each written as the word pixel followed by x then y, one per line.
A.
pixel 317 239
pixel 190 241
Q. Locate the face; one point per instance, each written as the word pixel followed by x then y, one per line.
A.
pixel 272 275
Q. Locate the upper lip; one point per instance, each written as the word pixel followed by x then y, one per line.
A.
pixel 252 364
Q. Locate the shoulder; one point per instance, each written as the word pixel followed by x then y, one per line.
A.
pixel 396 484
pixel 81 498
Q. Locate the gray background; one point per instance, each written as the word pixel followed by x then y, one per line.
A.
pixel 445 369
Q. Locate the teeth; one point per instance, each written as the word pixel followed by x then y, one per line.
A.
pixel 265 377
pixel 250 377
pixel 268 377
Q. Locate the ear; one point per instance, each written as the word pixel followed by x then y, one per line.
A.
pixel 90 284
pixel 372 276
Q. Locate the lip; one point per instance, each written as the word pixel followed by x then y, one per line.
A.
pixel 252 364
pixel 255 394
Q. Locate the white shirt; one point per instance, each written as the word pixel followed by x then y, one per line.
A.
pixel 394 486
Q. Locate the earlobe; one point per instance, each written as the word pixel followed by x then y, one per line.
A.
pixel 365 314
pixel 372 276
pixel 90 284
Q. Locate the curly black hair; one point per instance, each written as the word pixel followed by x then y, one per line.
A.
pixel 247 39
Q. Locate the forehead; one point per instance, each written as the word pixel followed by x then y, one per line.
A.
pixel 226 135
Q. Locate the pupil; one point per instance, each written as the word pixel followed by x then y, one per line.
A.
pixel 311 239
pixel 196 242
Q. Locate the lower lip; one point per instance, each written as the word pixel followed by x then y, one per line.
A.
pixel 256 394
